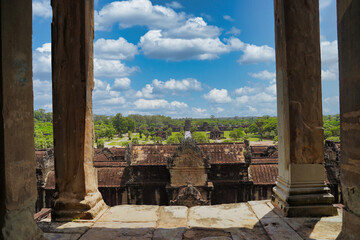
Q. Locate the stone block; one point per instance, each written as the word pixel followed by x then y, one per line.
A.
pixel 131 213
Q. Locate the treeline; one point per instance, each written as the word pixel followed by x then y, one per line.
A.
pixel 107 127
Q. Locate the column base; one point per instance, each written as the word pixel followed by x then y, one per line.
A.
pixel 70 208
pixel 303 200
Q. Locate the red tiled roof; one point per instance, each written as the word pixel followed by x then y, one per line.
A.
pixel 157 154
pixel 263 173
pixel 264 160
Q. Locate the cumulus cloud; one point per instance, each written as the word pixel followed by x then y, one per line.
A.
pixel 137 12
pixel 193 28
pixel 329 53
pixel 255 54
pixel 187 84
pixel 111 68
pixel 42 8
pixel 146 92
pixel 331 100
pixel 246 90
pixel 104 95
pixel 234 31
pixel 174 5
pixel 199 110
pixel 42 94
pixel 155 45
pixel 218 96
pixel 115 49
pixel 329 61
pixel 265 75
pixel 42 58
pixel 228 18
pixel 158 104
pixel 324 3
pixel 121 83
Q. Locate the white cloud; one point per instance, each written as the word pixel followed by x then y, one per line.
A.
pixel 234 31
pixel 174 5
pixel 329 74
pixel 331 100
pixel 199 110
pixel 111 68
pixel 42 94
pixel 265 75
pixel 329 53
pixel 104 95
pixel 271 89
pixel 228 18
pixel 242 100
pixel 256 54
pixel 324 3
pixel 218 96
pixel 158 104
pixel 186 84
pixel 219 109
pixel 193 28
pixel 121 83
pixel 246 90
pixel 114 49
pixel 42 59
pixel 137 12
pixel 252 109
pixel 155 45
pixel 146 92
pixel 42 8
pixel 329 61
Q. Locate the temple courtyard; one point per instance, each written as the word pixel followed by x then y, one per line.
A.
pixel 250 220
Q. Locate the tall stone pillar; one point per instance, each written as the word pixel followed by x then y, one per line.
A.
pixel 300 189
pixel 349 75
pixel 17 165
pixel 72 75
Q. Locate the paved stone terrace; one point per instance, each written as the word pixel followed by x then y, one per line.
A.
pixel 251 220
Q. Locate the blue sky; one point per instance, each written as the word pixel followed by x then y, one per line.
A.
pixel 184 58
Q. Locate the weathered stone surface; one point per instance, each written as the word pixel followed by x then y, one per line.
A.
pixel 118 230
pixel 255 233
pixel 261 209
pixel 222 216
pixel 206 234
pixel 349 72
pixel 276 228
pixel 17 165
pixel 298 78
pixel 131 213
pixel 69 227
pixel 172 217
pixel 61 236
pixel 170 233
pixel 72 75
pixel 316 228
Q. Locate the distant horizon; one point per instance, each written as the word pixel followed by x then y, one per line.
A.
pixel 184 58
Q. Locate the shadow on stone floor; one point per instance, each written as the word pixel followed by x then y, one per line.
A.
pixel 262 224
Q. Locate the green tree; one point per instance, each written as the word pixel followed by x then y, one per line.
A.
pixel 236 134
pixel 200 138
pixel 129 135
pixel 260 123
pixel 100 143
pixel 172 140
pixel 147 134
pixel 193 129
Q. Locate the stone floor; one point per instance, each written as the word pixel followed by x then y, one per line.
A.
pixel 251 220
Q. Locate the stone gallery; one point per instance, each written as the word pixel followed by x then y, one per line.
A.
pixel 300 189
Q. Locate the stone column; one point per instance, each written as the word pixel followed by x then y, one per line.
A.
pixel 348 13
pixel 72 75
pixel 17 165
pixel 300 189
